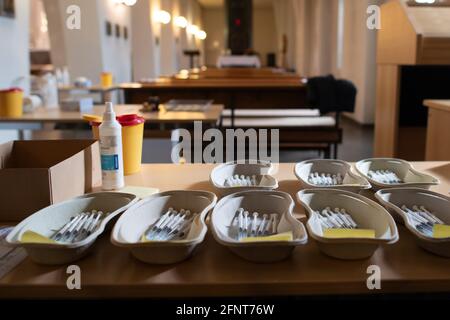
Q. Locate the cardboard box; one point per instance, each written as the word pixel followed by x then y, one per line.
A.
pixel 36 174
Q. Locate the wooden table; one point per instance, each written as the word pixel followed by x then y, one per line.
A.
pixel 214 271
pixel 42 115
pixel 438 130
pixel 236 73
pixel 233 93
pixel 105 92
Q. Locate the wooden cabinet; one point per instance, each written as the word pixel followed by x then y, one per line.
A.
pixel 413 58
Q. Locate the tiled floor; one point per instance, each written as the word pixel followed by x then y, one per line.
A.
pixel 357 144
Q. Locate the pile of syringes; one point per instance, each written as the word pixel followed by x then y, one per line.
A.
pixel 325 179
pixel 241 181
pixel 172 225
pixel 79 227
pixel 422 219
pixel 337 219
pixel 384 176
pixel 255 224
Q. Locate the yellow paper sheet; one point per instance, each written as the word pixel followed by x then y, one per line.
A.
pixel 441 231
pixel 286 236
pixel 140 192
pixel 348 233
pixel 34 237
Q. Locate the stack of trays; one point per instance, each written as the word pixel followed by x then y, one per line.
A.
pixel 432 206
pixel 44 224
pixel 225 228
pixel 334 174
pixel 367 214
pixel 139 219
pixel 233 176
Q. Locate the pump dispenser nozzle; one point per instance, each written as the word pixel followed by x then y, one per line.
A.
pixel 109 114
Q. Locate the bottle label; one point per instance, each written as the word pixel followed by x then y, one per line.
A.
pixel 110 162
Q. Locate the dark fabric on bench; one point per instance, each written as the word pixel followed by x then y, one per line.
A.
pixel 329 94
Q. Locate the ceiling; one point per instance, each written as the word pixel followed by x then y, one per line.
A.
pixel 220 3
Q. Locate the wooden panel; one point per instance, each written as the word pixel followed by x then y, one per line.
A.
pixel 387 109
pixel 432 21
pixel 397 39
pixel 411 143
pixel 438 135
pixel 443 105
pixel 434 51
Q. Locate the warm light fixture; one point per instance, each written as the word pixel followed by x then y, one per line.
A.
pixel 426 1
pixel 192 29
pixel 181 22
pixel 162 16
pixel 200 34
pixel 129 3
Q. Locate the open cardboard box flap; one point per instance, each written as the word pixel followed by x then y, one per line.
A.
pixel 35 174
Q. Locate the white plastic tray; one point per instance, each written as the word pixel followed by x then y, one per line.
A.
pixel 403 169
pixel 351 182
pixel 52 218
pixel 367 214
pixel 438 204
pixel 263 202
pixel 261 169
pixel 136 220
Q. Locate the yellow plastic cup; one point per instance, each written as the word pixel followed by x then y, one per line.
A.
pixel 106 79
pixel 11 103
pixel 95 122
pixel 132 139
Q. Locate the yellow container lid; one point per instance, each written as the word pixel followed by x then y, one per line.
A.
pixel 92 118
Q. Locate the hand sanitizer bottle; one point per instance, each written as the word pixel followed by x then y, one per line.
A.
pixel 111 150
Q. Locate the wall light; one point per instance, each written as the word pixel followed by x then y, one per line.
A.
pixel 162 16
pixel 201 35
pixel 192 29
pixel 180 22
pixel 129 3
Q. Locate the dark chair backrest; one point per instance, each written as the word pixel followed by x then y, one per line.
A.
pixel 329 94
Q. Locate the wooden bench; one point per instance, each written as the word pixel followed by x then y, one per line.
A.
pixel 299 128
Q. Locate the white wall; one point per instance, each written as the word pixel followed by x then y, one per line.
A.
pixel 14 56
pixel 316 51
pixel 360 57
pixel 264 32
pixel 39 39
pixel 216 42
pixel 89 51
pixel 144 48
pixel 157 49
pixel 116 52
pixel 14 53
pixel 168 56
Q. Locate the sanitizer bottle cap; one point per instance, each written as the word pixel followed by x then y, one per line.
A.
pixel 109 114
